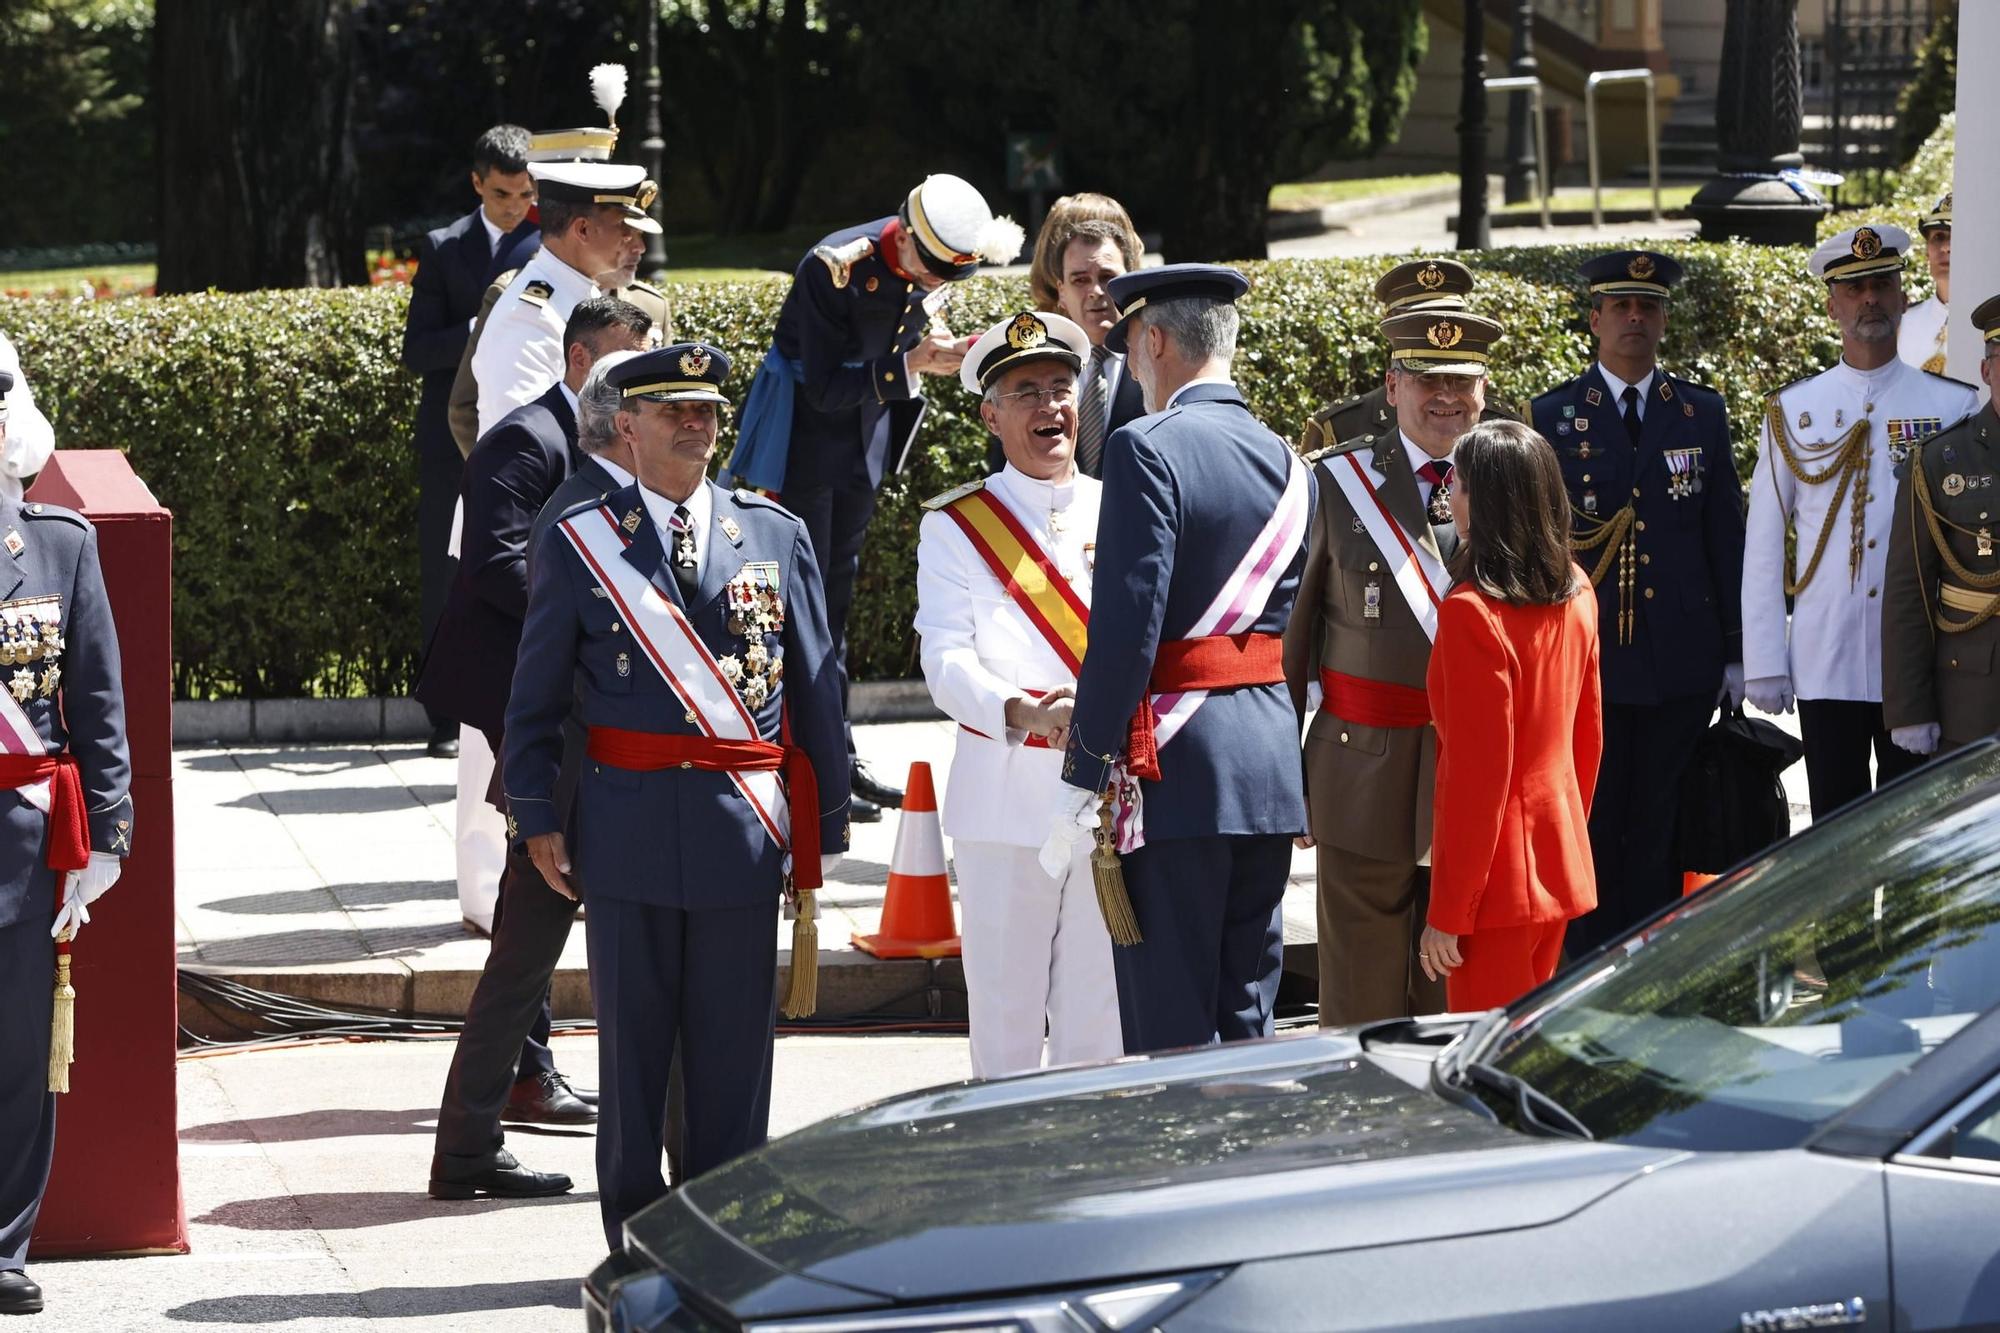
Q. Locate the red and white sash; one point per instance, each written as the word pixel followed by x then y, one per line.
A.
pixel 669 642
pixel 1236 607
pixel 18 736
pixel 1419 575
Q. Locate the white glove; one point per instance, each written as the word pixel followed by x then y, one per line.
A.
pixel 1314 696
pixel 828 863
pixel 1773 694
pixel 1920 738
pixel 1732 686
pixel 1075 812
pixel 83 887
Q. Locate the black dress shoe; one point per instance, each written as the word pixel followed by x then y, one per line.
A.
pixel 588 1096
pixel 18 1295
pixel 547 1100
pixel 868 787
pixel 444 741
pixel 503 1178
pixel 861 810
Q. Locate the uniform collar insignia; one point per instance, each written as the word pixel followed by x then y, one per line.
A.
pixel 731 531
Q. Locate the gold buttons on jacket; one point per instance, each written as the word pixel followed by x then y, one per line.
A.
pixel 1373 567
pixel 688 716
pixel 1343 738
pixel 888 377
pixel 1645 559
pixel 1649 594
pixel 687 763
pixel 1641 525
pixel 1635 492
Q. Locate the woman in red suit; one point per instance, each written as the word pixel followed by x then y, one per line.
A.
pixel 1514 694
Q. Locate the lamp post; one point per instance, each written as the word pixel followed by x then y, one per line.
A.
pixel 1521 164
pixel 653 148
pixel 1473 232
pixel 1759 110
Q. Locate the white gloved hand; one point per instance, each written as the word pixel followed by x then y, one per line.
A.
pixel 1076 811
pixel 828 863
pixel 1315 696
pixel 1773 694
pixel 1919 738
pixel 83 887
pixel 1732 686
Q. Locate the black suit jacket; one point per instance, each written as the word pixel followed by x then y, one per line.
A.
pixel 454 265
pixel 512 472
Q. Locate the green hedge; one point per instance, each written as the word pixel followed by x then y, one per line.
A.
pixel 277 427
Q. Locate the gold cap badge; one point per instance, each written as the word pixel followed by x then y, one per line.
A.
pixel 1867 244
pixel 1444 334
pixel 694 363
pixel 1026 331
pixel 1641 267
pixel 1430 277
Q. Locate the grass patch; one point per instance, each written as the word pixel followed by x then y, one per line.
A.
pixel 70 281
pixel 1673 198
pixel 1294 195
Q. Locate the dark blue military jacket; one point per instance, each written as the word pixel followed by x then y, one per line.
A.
pixel 847 325
pixel 1686 597
pixel 1186 492
pixel 454 265
pixel 673 838
pixel 70 687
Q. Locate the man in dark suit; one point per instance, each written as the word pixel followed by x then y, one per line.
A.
pixel 683 625
pixel 454 264
pixel 836 404
pixel 1656 509
pixel 1182 718
pixel 502 1067
pixel 64 835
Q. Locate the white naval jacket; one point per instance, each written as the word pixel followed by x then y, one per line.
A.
pixel 980 650
pixel 520 354
pixel 1921 335
pixel 1835 645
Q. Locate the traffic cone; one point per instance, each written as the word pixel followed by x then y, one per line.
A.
pixel 916 912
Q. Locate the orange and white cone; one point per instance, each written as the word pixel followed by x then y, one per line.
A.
pixel 917 920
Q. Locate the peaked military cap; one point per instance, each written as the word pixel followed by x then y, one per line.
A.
pixel 1032 335
pixel 1860 251
pixel 1424 284
pixel 1131 292
pixel 613 184
pixel 1440 342
pixel 1986 318
pixel 682 373
pixel 1938 219
pixel 1631 273
pixel 954 229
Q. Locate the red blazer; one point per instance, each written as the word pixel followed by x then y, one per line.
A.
pixel 1520 724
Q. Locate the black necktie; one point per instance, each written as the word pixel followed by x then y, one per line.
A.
pixel 1631 400
pixel 682 557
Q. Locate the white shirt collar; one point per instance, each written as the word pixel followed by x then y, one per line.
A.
pixel 493 233
pixel 1416 456
pixel 1618 387
pixel 571 286
pixel 569 396
pixel 1206 379
pixel 618 474
pixel 1872 378
pixel 700 507
pixel 1038 496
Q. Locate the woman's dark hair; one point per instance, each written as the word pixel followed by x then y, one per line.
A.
pixel 1517 546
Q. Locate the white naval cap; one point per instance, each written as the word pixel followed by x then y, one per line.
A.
pixel 607 89
pixel 954 229
pixel 608 183
pixel 1874 247
pixel 1032 335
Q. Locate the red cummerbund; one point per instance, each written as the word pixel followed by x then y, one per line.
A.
pixel 1029 743
pixel 1218 662
pixel 1374 703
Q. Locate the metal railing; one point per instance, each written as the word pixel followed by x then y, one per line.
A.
pixel 1604 76
pixel 1528 83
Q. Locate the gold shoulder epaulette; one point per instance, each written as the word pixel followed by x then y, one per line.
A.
pixel 648 288
pixel 537 293
pixel 955 493
pixel 841 259
pixel 1323 451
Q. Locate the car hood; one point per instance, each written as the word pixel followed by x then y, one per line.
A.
pixel 1148 1165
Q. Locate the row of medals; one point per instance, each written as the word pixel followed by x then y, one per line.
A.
pixel 34 636
pixel 754 611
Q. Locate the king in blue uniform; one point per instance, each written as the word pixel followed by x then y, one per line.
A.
pixel 684 878
pixel 1190 492
pixel 1658 517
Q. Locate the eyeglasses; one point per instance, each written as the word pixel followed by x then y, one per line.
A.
pixel 1036 397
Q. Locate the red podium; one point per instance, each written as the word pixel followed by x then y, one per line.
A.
pixel 117 1181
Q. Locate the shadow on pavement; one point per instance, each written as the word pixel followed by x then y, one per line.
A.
pixel 305 758
pixel 362 1208
pixel 342 800
pixel 382 1302
pixel 309 1125
pixel 299 902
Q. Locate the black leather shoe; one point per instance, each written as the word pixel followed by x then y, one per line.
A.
pixel 868 787
pixel 18 1295
pixel 444 741
pixel 588 1096
pixel 547 1100
pixel 503 1178
pixel 861 810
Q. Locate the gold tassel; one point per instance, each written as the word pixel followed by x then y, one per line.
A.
pixel 62 1030
pixel 1109 876
pixel 802 989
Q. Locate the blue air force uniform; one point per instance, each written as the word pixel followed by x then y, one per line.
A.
pixel 1187 492
pixel 684 882
pixel 59 657
pixel 1658 522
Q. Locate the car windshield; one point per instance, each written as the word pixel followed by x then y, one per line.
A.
pixel 1752 1015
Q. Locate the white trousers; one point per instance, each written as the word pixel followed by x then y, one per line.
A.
pixel 481 831
pixel 1037 958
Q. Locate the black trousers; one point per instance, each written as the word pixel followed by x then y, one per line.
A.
pixel 439 470
pixel 1838 734
pixel 27 1107
pixel 836 518
pixel 1632 815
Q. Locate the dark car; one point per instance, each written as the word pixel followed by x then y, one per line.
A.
pixel 1775 1106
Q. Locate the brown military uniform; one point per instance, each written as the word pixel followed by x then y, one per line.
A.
pixel 1940 624
pixel 1368 789
pixel 1370 414
pixel 463 408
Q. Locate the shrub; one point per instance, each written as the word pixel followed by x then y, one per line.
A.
pixel 276 425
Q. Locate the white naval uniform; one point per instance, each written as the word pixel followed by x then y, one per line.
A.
pixel 30 438
pixel 1036 949
pixel 1921 335
pixel 1835 646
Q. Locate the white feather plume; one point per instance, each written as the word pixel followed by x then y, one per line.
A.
pixel 607 88
pixel 999 241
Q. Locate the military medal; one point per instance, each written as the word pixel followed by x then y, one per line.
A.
pixel 1683 479
pixel 23 684
pixel 1440 505
pixel 1954 484
pixel 1985 543
pixel 731 667
pixel 1371 601
pixel 50 679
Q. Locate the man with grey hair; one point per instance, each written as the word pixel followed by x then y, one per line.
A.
pixel 1182 723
